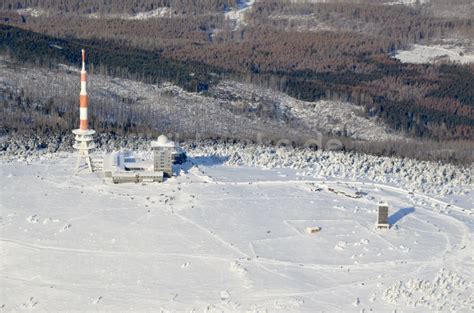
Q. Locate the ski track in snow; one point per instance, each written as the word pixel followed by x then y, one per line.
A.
pixel 118 253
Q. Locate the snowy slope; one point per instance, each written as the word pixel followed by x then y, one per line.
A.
pixel 335 117
pixel 189 112
pixel 237 15
pixel 156 13
pixel 419 54
pixel 408 2
pixel 224 238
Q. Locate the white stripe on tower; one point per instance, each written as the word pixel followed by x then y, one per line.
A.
pixel 83 88
pixel 83 113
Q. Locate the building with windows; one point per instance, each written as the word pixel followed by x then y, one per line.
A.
pixel 122 167
pixel 163 150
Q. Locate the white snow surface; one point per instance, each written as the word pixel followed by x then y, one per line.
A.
pixel 420 54
pixel 408 2
pixel 237 15
pixel 224 238
pixel 34 12
pixel 152 14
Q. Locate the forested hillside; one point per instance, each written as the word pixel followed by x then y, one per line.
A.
pixel 118 6
pixel 339 50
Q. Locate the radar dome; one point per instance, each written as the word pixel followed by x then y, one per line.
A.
pixel 162 139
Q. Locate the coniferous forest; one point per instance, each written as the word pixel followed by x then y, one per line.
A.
pixel 337 50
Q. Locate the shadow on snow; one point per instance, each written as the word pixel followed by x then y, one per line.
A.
pixel 397 216
pixel 211 160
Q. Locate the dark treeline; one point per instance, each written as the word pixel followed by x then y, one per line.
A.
pixel 118 6
pixel 109 59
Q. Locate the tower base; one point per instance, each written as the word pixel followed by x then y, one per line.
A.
pixel 84 143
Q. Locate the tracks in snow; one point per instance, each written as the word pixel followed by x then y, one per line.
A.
pixel 111 253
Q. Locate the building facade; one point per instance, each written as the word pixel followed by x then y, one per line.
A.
pixel 163 150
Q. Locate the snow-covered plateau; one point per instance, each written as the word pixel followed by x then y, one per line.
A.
pixel 228 233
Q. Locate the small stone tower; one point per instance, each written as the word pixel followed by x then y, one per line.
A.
pixel 382 216
pixel 163 155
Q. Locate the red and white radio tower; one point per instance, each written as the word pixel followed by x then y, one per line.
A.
pixel 84 136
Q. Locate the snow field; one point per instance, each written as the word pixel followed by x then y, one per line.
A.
pixel 224 238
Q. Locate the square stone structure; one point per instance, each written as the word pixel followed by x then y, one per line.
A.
pixel 163 150
pixel 382 216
